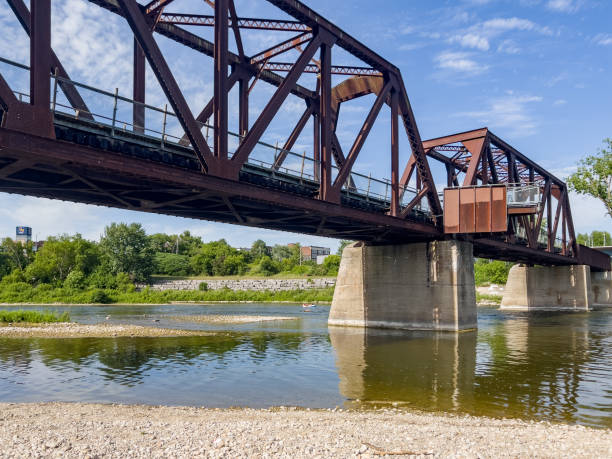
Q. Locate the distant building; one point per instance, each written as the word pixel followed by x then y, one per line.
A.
pixel 311 252
pixel 23 234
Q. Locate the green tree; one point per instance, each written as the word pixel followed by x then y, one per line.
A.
pixel 491 271
pixel 61 255
pixel 209 259
pixel 595 239
pixel 265 266
pixel 281 252
pixel 594 176
pixel 126 249
pixel 259 249
pixel 331 265
pixel 172 264
pixel 19 255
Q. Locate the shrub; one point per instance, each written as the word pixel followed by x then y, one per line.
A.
pixel 172 264
pixel 75 280
pixel 491 272
pixel 99 296
pixel 203 287
pixel 33 317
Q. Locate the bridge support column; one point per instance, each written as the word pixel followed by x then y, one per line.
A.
pixel 601 288
pixel 548 288
pixel 421 286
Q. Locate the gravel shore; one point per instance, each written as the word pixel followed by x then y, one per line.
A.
pixel 93 430
pixel 229 319
pixel 73 330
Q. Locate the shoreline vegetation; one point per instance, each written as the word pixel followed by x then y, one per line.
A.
pixel 27 294
pixel 33 317
pixel 94 429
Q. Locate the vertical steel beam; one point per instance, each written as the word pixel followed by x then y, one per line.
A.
pixel 243 107
pixel 316 150
pixel 326 125
pixel 40 53
pixel 395 195
pixel 221 69
pixel 76 101
pixel 138 115
pixel 549 222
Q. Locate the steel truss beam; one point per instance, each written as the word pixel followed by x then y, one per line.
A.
pixel 480 158
pixel 474 157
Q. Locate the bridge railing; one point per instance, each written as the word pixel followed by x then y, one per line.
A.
pixel 523 195
pixel 115 111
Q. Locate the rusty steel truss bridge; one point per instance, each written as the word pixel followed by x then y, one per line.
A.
pixel 64 139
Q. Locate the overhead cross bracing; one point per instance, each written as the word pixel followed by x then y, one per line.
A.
pixel 65 139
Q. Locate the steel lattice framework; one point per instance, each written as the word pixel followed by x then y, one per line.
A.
pixel 75 154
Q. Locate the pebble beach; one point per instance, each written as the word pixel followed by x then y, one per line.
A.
pixel 71 430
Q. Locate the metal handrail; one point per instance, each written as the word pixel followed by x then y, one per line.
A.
pixel 369 191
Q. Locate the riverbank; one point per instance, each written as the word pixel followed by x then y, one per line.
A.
pixel 73 330
pixel 27 294
pixel 89 430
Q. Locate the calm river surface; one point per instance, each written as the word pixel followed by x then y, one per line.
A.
pixel 555 367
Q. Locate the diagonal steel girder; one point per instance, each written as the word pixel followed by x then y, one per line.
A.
pixel 135 18
pixel 72 94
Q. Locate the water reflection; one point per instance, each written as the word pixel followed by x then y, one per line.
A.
pixel 528 366
pixel 554 367
pixel 424 370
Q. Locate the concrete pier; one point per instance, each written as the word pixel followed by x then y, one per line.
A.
pixel 601 288
pixel 556 288
pixel 421 286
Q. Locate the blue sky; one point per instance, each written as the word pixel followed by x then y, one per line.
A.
pixel 535 72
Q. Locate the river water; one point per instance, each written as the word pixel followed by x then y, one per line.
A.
pixel 555 367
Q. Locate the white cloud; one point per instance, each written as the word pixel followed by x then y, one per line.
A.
pixel 499 25
pixel 603 39
pixel 559 102
pixel 480 36
pixel 471 40
pixel 564 6
pixel 510 113
pixel 459 62
pixel 508 47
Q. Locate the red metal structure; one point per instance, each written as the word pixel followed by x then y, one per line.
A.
pixel 71 151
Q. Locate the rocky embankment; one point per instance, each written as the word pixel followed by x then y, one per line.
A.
pixel 91 430
pixel 258 285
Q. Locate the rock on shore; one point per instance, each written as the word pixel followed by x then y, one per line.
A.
pixel 93 430
pixel 74 330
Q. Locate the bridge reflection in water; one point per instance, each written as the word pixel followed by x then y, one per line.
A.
pixel 530 366
pixel 433 371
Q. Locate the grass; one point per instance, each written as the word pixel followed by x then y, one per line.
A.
pixel 20 293
pixel 497 299
pixel 33 317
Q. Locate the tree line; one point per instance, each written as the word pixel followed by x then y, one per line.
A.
pixel 125 254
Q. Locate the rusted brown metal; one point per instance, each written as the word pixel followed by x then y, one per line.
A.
pixel 475 209
pixel 242 23
pixel 476 157
pixel 138 118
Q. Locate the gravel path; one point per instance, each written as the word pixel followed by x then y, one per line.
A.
pixel 73 330
pixel 91 430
